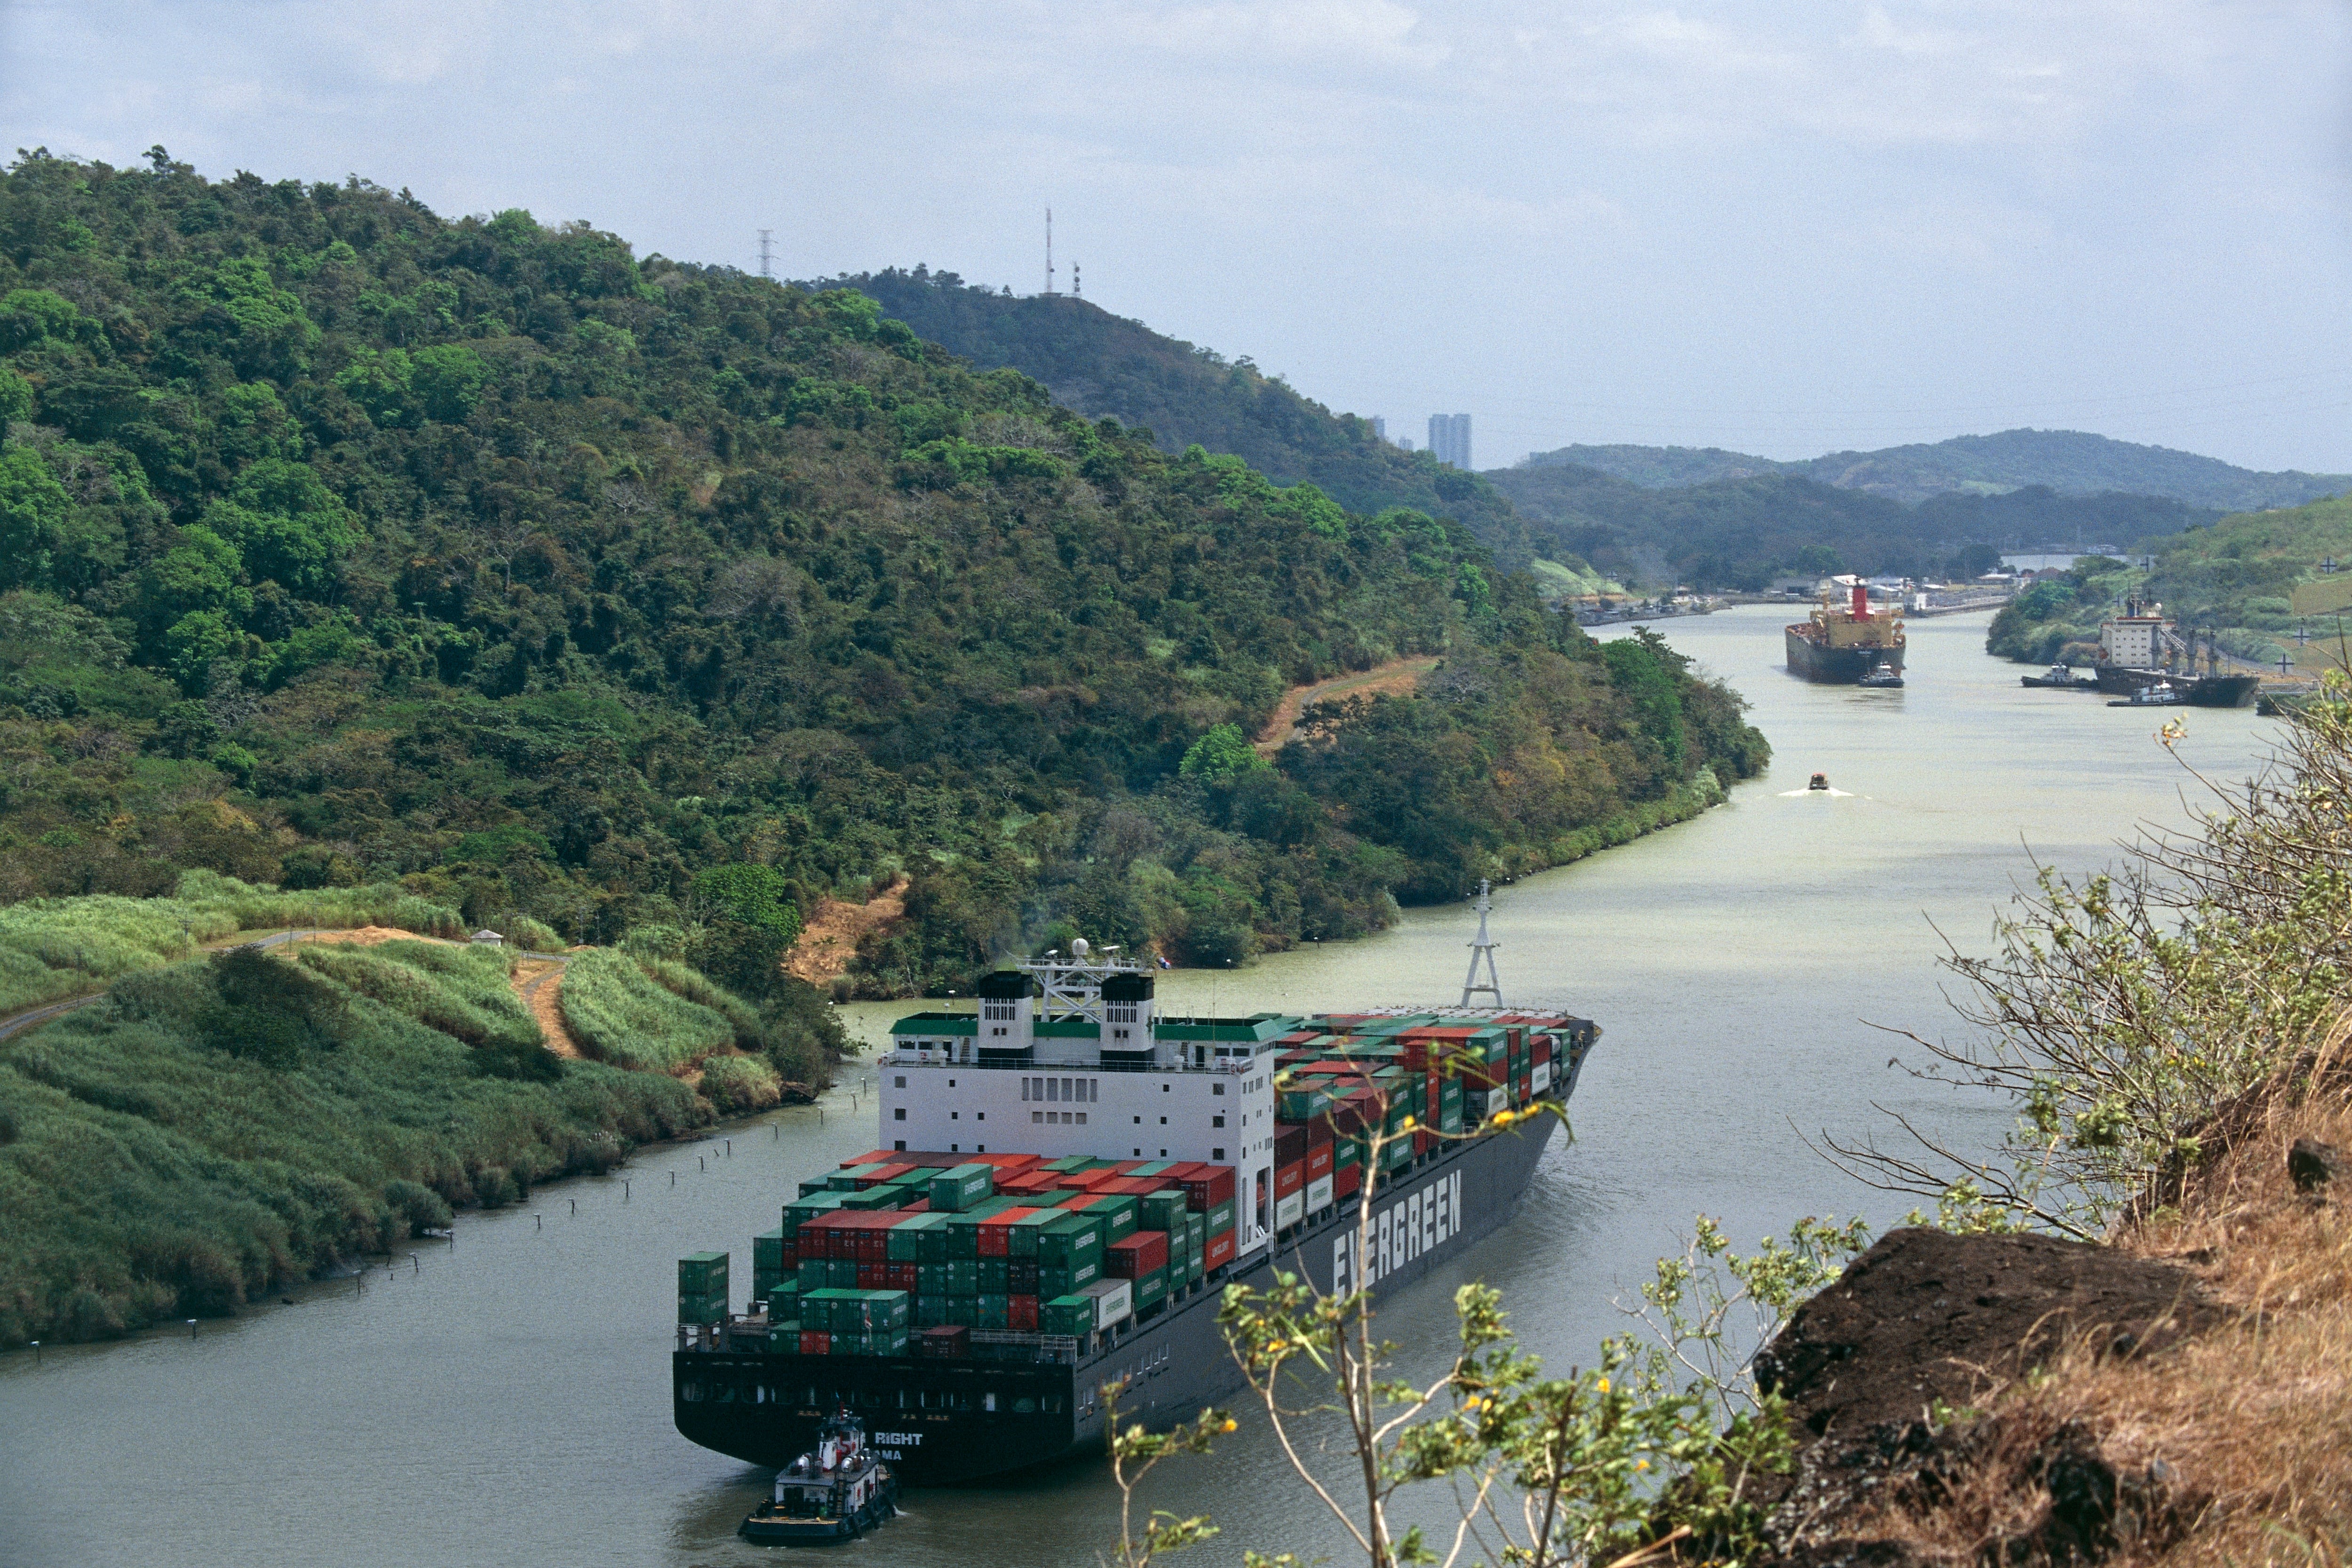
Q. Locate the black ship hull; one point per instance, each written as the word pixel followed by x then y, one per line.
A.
pixel 2198 690
pixel 946 1423
pixel 1837 666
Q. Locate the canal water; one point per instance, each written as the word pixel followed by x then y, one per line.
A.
pixel 506 1399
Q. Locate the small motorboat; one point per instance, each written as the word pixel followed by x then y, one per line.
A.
pixel 1819 781
pixel 838 1491
pixel 2157 694
pixel 2060 677
pixel 1884 677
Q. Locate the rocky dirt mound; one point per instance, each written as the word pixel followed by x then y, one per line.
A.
pixel 1885 1370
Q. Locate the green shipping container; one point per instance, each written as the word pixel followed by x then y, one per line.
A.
pixel 1346 1152
pixel 841 1273
pixel 963 1275
pixel 1151 1289
pixel 812 1274
pixel 768 1250
pixel 905 1240
pixel 766 1282
pixel 1066 1315
pixel 1163 1211
pixel 1221 1218
pixel 701 1272
pixel 931 1312
pixel 1195 1266
pixel 994 1275
pixel 847 1179
pixel 1068 1162
pixel 875 1198
pixel 960 1186
pixel 808 1208
pixel 702 1308
pixel 784 1338
pixel 784 1300
pixel 1071 1238
pixel 1023 1241
pixel 1059 1280
pixel 964 1309
pixel 996 1310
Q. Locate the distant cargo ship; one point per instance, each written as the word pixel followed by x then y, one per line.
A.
pixel 2140 648
pixel 1840 646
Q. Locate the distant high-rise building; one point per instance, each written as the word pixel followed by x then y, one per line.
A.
pixel 1379 427
pixel 1449 438
pixel 1405 442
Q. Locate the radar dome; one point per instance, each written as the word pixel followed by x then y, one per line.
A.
pixel 1078 948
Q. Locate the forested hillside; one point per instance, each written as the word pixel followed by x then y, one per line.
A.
pixel 2070 462
pixel 1743 533
pixel 345 542
pixel 1101 364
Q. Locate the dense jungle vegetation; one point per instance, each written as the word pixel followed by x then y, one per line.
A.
pixel 346 544
pixel 2070 462
pixel 1180 395
pixel 2241 575
pixel 1748 533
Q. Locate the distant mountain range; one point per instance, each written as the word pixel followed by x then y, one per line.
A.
pixel 2070 462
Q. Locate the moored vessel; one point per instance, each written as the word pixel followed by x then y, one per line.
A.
pixel 1848 644
pixel 2156 694
pixel 2060 677
pixel 1067 1180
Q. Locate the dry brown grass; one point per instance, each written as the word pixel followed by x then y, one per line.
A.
pixel 2234 1447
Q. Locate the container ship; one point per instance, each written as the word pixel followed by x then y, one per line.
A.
pixel 1065 1180
pixel 1842 646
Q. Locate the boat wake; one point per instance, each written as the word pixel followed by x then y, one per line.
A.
pixel 1831 794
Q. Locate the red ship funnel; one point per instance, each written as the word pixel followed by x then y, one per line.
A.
pixel 1862 601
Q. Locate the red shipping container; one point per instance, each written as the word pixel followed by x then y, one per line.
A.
pixel 875 1157
pixel 1138 1186
pixel 1136 1253
pixel 1021 1314
pixel 1008 1162
pixel 1028 1183
pixel 815 1342
pixel 898 1275
pixel 1288 1179
pixel 921 1205
pixel 1543 1050
pixel 1220 1250
pixel 884 1176
pixel 1347 1179
pixel 873 1276
pixel 1205 1186
pixel 1319 1132
pixel 1319 1161
pixel 1423 1141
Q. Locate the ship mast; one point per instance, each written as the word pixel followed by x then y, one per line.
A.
pixel 1483 948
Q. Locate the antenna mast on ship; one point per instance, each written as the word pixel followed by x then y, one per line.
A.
pixel 1483 948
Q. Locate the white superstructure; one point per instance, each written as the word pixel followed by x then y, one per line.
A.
pixel 1072 1057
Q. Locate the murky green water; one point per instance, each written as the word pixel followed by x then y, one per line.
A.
pixel 506 1400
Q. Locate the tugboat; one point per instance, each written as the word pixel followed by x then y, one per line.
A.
pixel 839 1491
pixel 2060 677
pixel 2157 694
pixel 1819 781
pixel 1885 677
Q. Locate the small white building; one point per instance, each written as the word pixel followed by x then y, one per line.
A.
pixel 488 938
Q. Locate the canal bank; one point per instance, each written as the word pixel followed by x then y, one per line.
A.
pixel 506 1400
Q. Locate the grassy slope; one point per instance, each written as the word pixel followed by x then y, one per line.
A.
pixel 149 1168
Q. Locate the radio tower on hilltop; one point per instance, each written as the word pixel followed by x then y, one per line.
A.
pixel 767 253
pixel 1049 252
pixel 1483 948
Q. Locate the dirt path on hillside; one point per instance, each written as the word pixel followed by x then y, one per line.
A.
pixel 830 939
pixel 538 981
pixel 1397 677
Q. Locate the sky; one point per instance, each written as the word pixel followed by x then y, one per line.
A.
pixel 1784 229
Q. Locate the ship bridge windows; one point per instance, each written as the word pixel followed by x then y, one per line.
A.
pixel 1056 1089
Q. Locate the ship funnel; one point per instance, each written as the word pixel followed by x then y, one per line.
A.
pixel 1861 600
